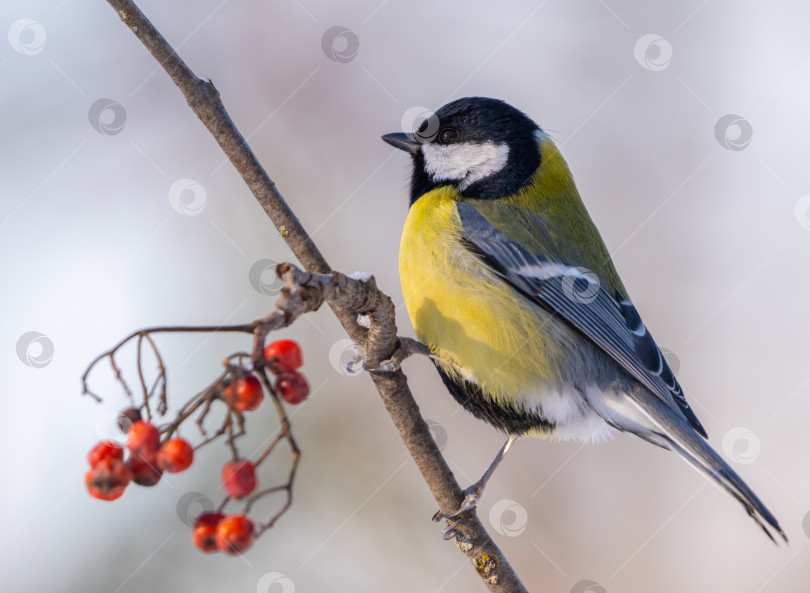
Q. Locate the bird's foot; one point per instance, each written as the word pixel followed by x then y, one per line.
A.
pixel 471 497
pixel 407 347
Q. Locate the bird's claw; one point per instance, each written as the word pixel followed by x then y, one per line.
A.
pixel 391 365
pixel 407 347
pixel 471 497
pixel 447 532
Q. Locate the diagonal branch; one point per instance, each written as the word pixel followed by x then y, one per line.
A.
pixel 379 340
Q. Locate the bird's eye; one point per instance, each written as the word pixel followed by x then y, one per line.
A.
pixel 448 136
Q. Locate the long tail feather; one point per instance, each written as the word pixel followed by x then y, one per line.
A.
pixel 675 431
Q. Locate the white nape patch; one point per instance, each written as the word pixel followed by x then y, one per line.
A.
pixel 465 162
pixel 542 136
pixel 361 276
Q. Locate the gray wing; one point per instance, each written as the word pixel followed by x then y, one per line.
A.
pixel 577 296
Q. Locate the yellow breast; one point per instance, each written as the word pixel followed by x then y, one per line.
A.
pixel 478 327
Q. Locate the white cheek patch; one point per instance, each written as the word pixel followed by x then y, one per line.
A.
pixel 464 163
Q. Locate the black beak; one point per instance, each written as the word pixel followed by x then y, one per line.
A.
pixel 403 142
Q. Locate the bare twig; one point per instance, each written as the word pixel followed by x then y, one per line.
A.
pixel 285 433
pixel 380 340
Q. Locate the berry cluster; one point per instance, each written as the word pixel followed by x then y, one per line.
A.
pixel 145 458
pixel 215 532
pixel 110 474
pixel 283 360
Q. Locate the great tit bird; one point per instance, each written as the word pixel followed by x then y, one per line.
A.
pixel 508 282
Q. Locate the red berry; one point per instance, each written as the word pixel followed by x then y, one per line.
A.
pixel 175 456
pixel 104 450
pixel 234 534
pixel 283 355
pixel 108 479
pixel 143 439
pixel 249 394
pixel 293 387
pixel 204 532
pixel 239 478
pixel 145 472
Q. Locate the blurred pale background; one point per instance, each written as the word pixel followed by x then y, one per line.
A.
pixel 706 221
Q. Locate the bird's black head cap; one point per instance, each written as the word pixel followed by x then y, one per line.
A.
pixel 484 146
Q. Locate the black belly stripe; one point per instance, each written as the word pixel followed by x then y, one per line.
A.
pixel 505 418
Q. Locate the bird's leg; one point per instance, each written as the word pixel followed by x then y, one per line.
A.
pixel 407 347
pixel 473 494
